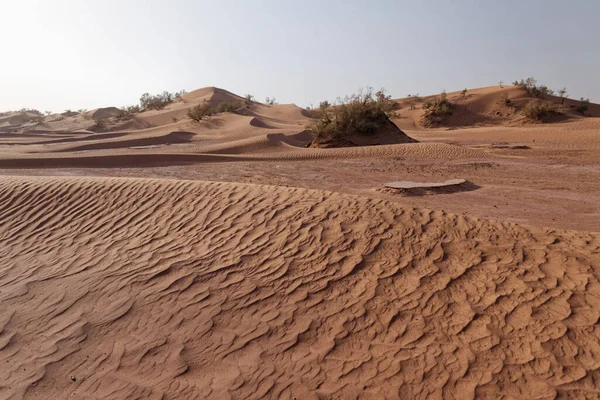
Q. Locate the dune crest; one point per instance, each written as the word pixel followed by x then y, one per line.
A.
pixel 146 289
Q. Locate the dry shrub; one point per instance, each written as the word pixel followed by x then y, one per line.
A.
pixel 437 110
pixel 200 111
pixel 540 111
pixel 363 113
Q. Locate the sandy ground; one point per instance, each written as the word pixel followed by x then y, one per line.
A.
pixel 227 260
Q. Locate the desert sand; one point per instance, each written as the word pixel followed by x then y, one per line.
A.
pixel 226 259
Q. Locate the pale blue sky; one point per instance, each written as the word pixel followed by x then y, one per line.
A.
pixel 59 54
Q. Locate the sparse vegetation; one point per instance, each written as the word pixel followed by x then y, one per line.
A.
pixel 200 111
pixel 270 101
pixel 324 105
pixel 501 83
pixel 229 106
pixel 248 100
pixel 127 112
pixel 530 84
pixel 437 110
pixel 159 101
pixel 541 111
pixel 463 94
pixel 413 99
pixel 155 102
pixel 100 125
pixel 583 106
pixel 362 113
pixel 562 93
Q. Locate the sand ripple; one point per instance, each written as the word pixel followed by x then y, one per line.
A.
pixel 149 289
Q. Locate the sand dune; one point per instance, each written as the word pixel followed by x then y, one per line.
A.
pixel 159 289
pixel 314 283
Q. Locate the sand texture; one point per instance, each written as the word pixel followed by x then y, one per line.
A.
pixel 226 259
pixel 152 288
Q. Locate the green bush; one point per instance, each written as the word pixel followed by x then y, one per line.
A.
pixel 200 111
pixel 437 110
pixel 538 110
pixel 362 113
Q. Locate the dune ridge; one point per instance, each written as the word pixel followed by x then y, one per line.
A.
pixel 151 289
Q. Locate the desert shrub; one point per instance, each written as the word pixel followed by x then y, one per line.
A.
pixel 437 110
pixel 180 94
pixel 127 112
pixel 100 125
pixel 313 112
pixel 538 110
pixel 562 93
pixel 363 113
pixel 200 111
pixel 248 100
pixel 270 101
pixel 583 106
pixel 530 84
pixel 31 111
pixel 463 93
pixel 47 112
pixel 413 99
pixel 155 102
pixel 159 101
pixel 229 106
pixel 501 84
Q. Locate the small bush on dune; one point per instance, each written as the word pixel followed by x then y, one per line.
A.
pixel 249 100
pixel 538 110
pixel 562 93
pixel 530 84
pixel 127 112
pixel 413 99
pixel 583 106
pixel 363 113
pixel 200 111
pixel 100 125
pixel 229 106
pixel 437 110
pixel 270 101
pixel 159 101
